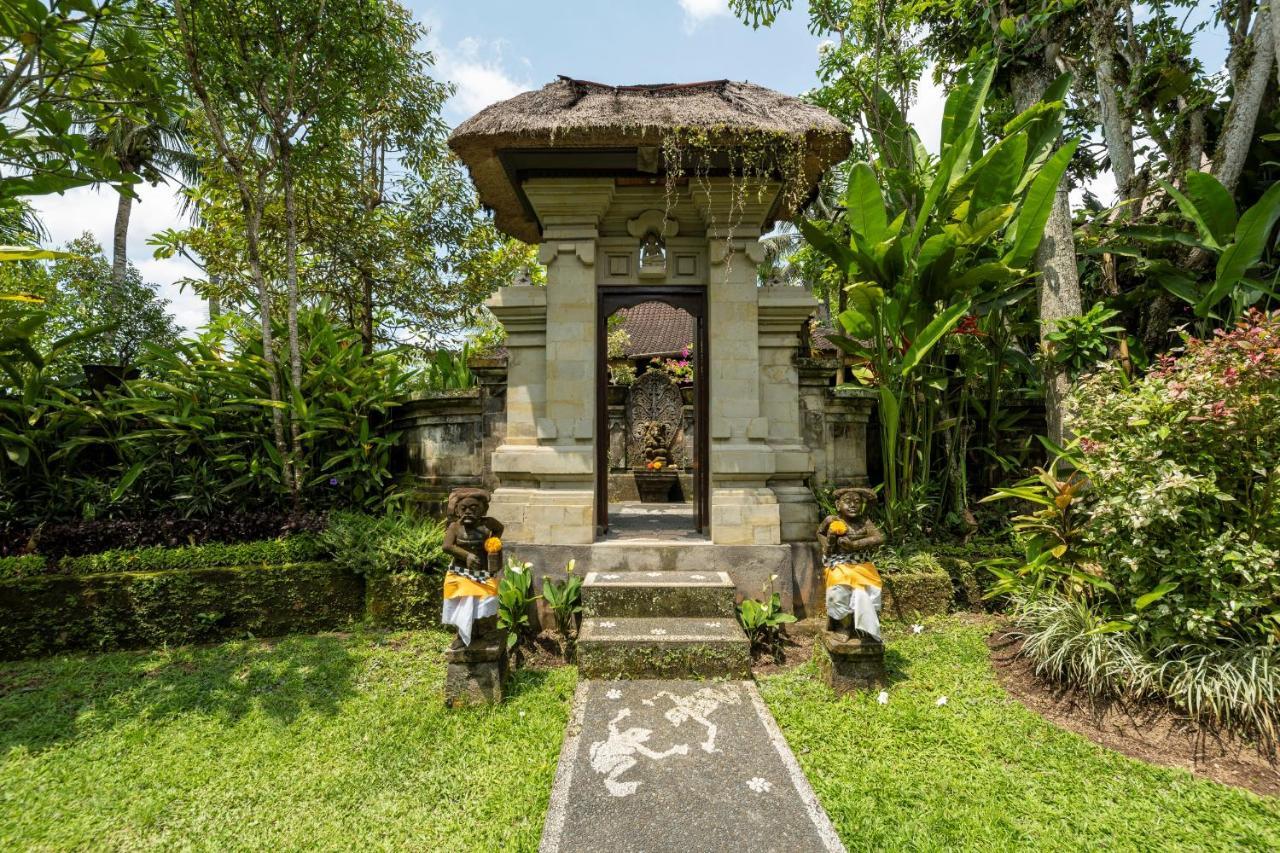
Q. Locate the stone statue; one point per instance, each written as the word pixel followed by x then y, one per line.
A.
pixel 655 438
pixel 473 541
pixel 853 585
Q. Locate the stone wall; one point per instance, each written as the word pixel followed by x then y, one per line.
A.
pixel 448 439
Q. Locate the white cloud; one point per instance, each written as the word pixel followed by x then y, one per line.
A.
pixel 71 214
pixel 925 115
pixel 476 67
pixel 697 11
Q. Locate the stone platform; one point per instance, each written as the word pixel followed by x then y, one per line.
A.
pixel 674 624
pixel 680 765
pixel 797 566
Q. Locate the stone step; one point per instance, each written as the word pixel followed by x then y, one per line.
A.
pixel 658 594
pixel 663 647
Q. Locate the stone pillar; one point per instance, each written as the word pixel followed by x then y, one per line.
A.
pixel 491 377
pixel 744 510
pixel 815 383
pixel 784 313
pixel 546 468
pixel 848 414
pixel 522 310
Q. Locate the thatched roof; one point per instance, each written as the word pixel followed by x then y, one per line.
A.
pixel 572 114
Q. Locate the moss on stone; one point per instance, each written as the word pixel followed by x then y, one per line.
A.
pixel 916 594
pixel 49 614
pixel 404 601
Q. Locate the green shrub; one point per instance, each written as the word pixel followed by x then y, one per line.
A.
pixel 1071 642
pixel 186 438
pixel 55 613
pixel 515 602
pixel 301 548
pixel 1182 516
pixel 378 545
pixel 23 566
pixel 895 561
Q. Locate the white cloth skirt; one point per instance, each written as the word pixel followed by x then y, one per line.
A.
pixel 861 601
pixel 463 611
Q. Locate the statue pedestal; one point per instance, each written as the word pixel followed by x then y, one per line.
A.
pixel 851 665
pixel 476 673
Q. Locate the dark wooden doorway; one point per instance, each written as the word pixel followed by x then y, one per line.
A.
pixel 692 300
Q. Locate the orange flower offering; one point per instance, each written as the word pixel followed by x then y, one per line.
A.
pixel 657 464
pixel 492 545
pixel 838 527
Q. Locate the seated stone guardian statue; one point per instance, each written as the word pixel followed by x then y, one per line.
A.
pixel 852 582
pixel 473 541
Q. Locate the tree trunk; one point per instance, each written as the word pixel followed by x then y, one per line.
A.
pixel 366 307
pixel 291 281
pixel 119 261
pixel 1242 116
pixel 252 218
pixel 1117 126
pixel 215 301
pixel 1056 257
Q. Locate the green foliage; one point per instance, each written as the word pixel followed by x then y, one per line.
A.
pixel 21 566
pixel 301 548
pixel 55 613
pixel 189 436
pixel 1074 643
pixel 515 600
pixel 73 69
pixel 952 242
pixel 1184 501
pixel 1162 577
pixel 445 370
pixel 379 545
pixel 565 600
pixel 1081 342
pixel 1238 243
pixel 80 294
pixel 763 621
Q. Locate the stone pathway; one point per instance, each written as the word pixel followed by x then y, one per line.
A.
pixel 680 766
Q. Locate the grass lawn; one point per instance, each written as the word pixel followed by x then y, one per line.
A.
pixel 982 772
pixel 318 742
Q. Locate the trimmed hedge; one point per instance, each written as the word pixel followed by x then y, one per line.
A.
pixel 54 613
pixel 303 548
pixel 77 538
pixel 404 601
pixel 910 595
pixel 21 567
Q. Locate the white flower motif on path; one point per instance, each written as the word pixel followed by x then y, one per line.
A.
pixel 615 693
pixel 916 629
pixel 711 624
pixel 607 624
pixel 942 700
pixel 658 632
pixel 697 577
pixel 883 698
pixel 760 786
pixel 609 577
pixel 653 574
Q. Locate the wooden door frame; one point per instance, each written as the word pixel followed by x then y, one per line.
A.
pixel 693 300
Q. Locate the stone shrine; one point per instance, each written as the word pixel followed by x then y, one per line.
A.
pixel 579 168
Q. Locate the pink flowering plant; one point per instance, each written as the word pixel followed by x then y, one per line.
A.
pixel 1168 585
pixel 1184 499
pixel 680 369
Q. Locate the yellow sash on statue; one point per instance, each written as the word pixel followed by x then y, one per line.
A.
pixel 456 586
pixel 853 574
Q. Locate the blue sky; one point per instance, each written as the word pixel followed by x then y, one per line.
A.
pixel 493 49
